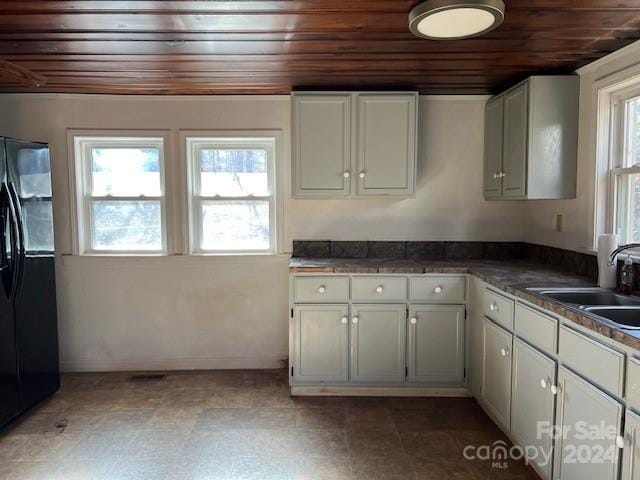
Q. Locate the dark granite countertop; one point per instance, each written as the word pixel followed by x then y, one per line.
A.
pixel 512 277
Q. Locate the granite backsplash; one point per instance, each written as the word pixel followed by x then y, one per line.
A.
pixel 566 260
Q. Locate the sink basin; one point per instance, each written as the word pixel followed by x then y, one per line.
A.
pixel 588 296
pixel 626 317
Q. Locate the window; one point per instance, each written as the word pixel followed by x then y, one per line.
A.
pixel 232 205
pixel 625 171
pixel 120 193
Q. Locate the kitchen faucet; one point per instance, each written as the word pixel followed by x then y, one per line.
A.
pixel 612 257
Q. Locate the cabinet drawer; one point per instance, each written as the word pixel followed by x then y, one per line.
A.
pixel 599 363
pixel 437 289
pixel 498 308
pixel 321 289
pixel 372 289
pixel 536 327
pixel 633 383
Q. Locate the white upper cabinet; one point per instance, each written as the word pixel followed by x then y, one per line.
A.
pixel 354 144
pixel 493 147
pixel 514 160
pixel 322 145
pixel 386 144
pixel 531 140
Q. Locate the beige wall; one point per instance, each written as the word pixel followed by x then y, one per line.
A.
pixel 217 312
pixel 579 214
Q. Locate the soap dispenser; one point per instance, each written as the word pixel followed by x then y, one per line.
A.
pixel 627 276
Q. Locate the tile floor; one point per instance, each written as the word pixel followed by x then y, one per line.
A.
pixel 241 425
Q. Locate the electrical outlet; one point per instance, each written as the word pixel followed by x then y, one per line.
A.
pixel 558 222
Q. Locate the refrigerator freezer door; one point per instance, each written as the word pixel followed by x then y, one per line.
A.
pixel 29 179
pixel 9 394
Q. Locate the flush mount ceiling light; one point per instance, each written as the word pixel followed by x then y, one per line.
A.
pixel 455 19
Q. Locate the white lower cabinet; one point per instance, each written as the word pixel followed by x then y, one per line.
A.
pixel 533 404
pixel 497 344
pixel 590 422
pixel 631 454
pixel 378 343
pixel 321 343
pixel 435 344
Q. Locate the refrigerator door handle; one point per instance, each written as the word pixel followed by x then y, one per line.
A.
pixel 16 209
pixel 12 241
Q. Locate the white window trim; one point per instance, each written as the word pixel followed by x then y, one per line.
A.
pixel 608 92
pixel 77 141
pixel 269 139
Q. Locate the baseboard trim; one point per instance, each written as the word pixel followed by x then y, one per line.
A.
pixel 213 363
pixel 379 392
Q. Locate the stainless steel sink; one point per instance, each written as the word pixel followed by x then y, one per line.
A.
pixel 622 310
pixel 627 317
pixel 586 297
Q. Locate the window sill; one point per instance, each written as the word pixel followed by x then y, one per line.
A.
pixel 116 261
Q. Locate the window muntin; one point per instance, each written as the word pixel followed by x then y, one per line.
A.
pixel 232 205
pixel 121 195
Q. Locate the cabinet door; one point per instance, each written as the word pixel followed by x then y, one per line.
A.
pixel 516 124
pixel 493 143
pixel 496 371
pixel 436 344
pixel 631 455
pixel 583 407
pixel 386 144
pixel 322 145
pixel 378 343
pixel 321 345
pixel 532 402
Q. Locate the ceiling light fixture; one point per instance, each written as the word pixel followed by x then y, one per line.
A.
pixel 455 19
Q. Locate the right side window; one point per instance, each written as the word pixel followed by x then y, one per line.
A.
pixel 232 200
pixel 625 170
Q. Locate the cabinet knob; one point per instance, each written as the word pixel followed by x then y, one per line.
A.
pixel 355 320
pixel 496 175
pixel 346 174
pixel 344 320
pixel 493 307
pixel 555 389
pixel 438 289
pixel 379 289
pixel 543 384
pixel 503 174
pixel 620 441
pixel 322 289
pixel 413 320
pixel 361 175
pixel 504 352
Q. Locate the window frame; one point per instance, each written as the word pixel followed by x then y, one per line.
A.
pixel 617 170
pixel 81 143
pixel 192 141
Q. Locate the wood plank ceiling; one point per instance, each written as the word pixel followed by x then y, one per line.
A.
pixel 274 46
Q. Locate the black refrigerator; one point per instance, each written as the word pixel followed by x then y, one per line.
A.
pixel 29 370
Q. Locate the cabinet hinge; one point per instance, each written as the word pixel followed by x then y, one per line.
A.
pixel 407 313
pixel 406 371
pixel 465 373
pixel 465 314
pixel 292 370
pixel 292 313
